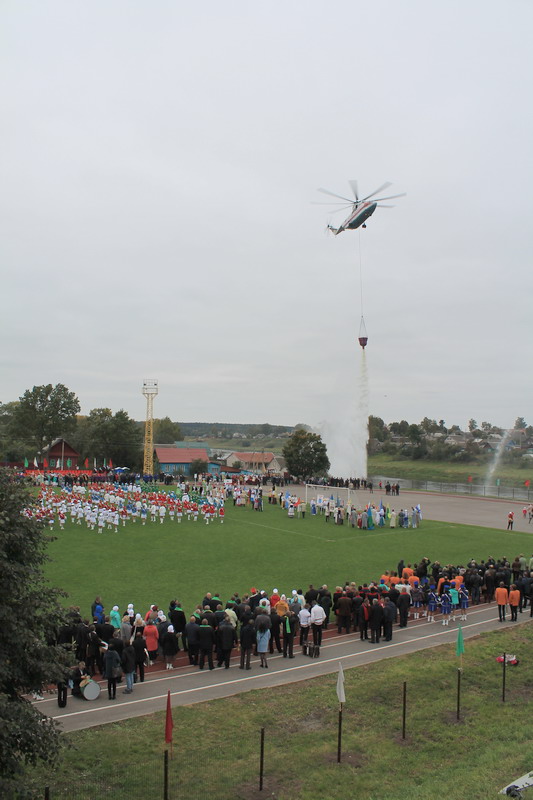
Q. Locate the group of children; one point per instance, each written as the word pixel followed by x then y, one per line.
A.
pixel 112 506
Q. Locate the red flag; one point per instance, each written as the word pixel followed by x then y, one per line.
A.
pixel 110 465
pixel 86 463
pixel 168 722
pixel 469 479
pixel 45 463
pixel 527 483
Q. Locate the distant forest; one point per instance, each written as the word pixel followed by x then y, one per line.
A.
pixel 225 430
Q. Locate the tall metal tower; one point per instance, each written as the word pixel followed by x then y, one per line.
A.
pixel 150 390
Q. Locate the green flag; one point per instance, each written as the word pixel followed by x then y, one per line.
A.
pixel 460 647
pixel 26 463
pixel 497 481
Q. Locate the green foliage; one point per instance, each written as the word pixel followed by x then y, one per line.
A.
pixel 198 466
pixel 520 423
pixel 306 454
pixel 429 425
pixel 44 413
pixel 377 429
pixel 112 436
pixel 166 431
pixel 31 614
pixel 472 425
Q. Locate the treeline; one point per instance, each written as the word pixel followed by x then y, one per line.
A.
pixel 225 430
pixel 435 441
pixel 45 413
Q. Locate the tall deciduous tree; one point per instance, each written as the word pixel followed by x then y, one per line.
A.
pixel 111 436
pixel 166 431
pixel 44 413
pixel 306 454
pixel 31 614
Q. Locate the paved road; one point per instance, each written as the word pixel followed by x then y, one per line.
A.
pixel 460 508
pixel 187 685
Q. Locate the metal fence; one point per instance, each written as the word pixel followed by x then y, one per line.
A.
pixel 522 493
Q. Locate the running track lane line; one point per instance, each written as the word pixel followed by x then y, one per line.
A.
pixel 259 677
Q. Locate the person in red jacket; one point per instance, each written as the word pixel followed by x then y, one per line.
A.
pixel 502 598
pixel 514 602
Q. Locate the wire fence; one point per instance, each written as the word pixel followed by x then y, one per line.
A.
pixel 522 493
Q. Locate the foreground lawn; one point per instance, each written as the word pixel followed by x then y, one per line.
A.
pixel 394 467
pixel 157 563
pixel 216 744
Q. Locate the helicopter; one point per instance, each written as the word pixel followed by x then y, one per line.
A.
pixel 361 209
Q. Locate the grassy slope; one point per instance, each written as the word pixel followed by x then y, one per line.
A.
pixel 156 563
pixel 216 743
pixel 392 467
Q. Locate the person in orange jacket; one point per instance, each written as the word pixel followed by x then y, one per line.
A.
pixel 514 602
pixel 502 598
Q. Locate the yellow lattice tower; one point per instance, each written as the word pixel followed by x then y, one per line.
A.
pixel 150 390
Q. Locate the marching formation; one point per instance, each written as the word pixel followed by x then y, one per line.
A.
pixel 110 507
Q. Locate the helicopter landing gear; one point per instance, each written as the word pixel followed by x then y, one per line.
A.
pixel 363 225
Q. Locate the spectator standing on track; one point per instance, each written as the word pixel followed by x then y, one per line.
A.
pixel 248 640
pixel 317 620
pixel 502 598
pixel 206 637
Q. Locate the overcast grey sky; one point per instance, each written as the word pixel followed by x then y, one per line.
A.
pixel 158 163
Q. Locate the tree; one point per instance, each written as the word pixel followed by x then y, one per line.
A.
pixel 31 616
pixel 12 446
pixel 414 434
pixel 399 428
pixel 198 466
pixel 377 429
pixel 472 425
pixel 305 454
pixel 520 424
pixel 429 425
pixel 166 431
pixel 104 435
pixel 44 413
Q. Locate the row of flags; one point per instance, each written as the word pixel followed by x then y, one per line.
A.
pixel 108 463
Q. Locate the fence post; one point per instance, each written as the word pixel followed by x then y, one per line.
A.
pixel 261 759
pixel 165 776
pixel 404 708
pixel 458 694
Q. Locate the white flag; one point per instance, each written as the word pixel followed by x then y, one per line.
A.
pixel 35 464
pixel 340 685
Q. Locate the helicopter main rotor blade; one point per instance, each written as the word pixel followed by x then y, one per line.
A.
pixel 344 208
pixel 380 205
pixel 326 191
pixel 325 203
pixel 385 186
pixel 355 190
pixel 390 197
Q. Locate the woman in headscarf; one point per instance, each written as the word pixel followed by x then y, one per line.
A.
pixel 282 608
pixel 115 618
pixel 169 643
pixel 151 634
pixel 112 670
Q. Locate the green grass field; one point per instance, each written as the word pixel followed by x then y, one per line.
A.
pixel 216 744
pixel 157 563
pixel 447 471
